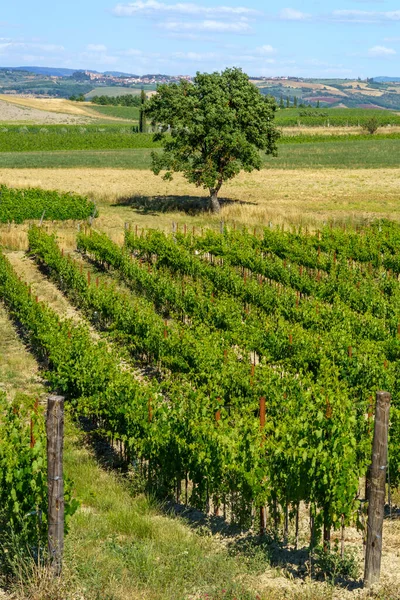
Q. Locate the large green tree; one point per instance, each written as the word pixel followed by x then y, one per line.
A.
pixel 212 129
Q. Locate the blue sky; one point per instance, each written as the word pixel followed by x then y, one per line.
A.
pixel 353 38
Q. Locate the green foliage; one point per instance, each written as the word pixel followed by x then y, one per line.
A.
pixel 333 567
pixel 218 126
pixel 337 117
pixel 142 116
pixel 23 478
pixel 23 482
pixel 123 100
pixel 317 437
pixel 118 112
pixel 371 125
pixel 19 205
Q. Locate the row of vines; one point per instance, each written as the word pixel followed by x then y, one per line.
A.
pixel 225 338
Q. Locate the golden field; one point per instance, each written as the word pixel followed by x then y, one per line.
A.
pixel 292 197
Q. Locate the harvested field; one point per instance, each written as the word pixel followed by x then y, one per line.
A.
pixel 281 196
pixel 11 112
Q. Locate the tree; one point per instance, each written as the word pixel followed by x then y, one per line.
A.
pixel 281 104
pixel 287 102
pixel 371 125
pixel 218 124
pixel 295 102
pixel 142 116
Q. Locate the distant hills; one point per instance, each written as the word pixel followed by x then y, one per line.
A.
pixel 49 71
pixel 378 92
pixel 386 79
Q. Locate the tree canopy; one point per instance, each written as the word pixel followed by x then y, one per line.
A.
pixel 212 128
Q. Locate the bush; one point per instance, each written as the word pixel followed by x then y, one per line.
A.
pixel 332 566
pixel 20 205
pixel 371 125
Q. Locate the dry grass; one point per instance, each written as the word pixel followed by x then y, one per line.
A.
pixel 18 368
pixel 307 197
pixel 57 105
pixel 41 287
pixel 334 131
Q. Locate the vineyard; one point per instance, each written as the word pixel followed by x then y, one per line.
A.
pixel 18 205
pixel 89 137
pixel 334 117
pixel 253 362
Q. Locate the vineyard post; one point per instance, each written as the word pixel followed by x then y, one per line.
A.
pixel 377 494
pixel 55 481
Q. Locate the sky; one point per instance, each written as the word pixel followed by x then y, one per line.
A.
pixel 304 38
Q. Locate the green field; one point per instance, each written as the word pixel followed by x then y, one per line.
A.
pixel 371 153
pixel 119 112
pixel 119 136
pixel 89 137
pixel 123 159
pixel 334 117
pixel 117 91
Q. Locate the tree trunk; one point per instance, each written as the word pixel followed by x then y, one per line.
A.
pixel 214 202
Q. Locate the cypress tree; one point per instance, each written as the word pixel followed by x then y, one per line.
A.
pixel 295 101
pixel 287 102
pixel 281 104
pixel 142 116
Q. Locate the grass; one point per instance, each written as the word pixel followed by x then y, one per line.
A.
pixel 355 154
pixel 118 112
pixel 56 138
pixel 117 91
pixel 271 195
pixel 122 546
pixel 120 159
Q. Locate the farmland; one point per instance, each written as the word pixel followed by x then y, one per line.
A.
pixel 133 151
pixel 163 280
pixel 130 113
pixel 170 346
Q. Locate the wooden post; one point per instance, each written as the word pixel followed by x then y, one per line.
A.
pixel 55 441
pixel 377 494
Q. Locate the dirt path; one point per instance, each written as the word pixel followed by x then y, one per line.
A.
pixel 41 287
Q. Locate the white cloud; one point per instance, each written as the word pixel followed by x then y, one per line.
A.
pixel 391 39
pixel 365 16
pixel 14 45
pixel 211 26
pixel 152 8
pixel 291 14
pixel 131 52
pixel 96 48
pixel 381 52
pixel 267 49
pixel 195 56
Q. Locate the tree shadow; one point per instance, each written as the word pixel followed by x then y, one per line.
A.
pixel 191 205
pixel 245 543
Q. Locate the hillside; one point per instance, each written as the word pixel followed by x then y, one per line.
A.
pixel 378 93
pixel 344 93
